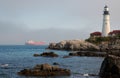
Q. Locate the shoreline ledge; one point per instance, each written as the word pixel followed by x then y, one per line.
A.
pixel 88 54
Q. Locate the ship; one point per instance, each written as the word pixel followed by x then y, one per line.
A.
pixel 31 42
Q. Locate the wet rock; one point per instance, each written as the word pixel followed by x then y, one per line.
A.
pixel 93 74
pixel 66 56
pixel 73 54
pixel 55 63
pixel 47 54
pixel 89 54
pixel 45 70
pixel 110 67
pixel 35 55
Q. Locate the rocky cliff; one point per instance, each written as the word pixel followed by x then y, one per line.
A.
pixel 74 45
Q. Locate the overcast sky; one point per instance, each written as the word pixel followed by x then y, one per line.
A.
pixel 53 20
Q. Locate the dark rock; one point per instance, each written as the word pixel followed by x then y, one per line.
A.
pixel 36 55
pixel 93 74
pixel 55 63
pixel 45 70
pixel 110 67
pixel 73 54
pixel 47 54
pixel 66 56
pixel 84 53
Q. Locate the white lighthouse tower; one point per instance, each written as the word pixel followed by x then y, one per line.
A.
pixel 106 22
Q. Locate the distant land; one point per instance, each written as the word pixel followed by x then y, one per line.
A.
pixel 31 42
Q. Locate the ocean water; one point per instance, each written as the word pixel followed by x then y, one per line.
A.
pixel 19 57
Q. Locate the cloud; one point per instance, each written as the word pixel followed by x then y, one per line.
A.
pixel 53 20
pixel 10 27
pixel 47 35
pixel 56 35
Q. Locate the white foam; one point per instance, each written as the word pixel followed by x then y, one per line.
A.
pixel 4 65
pixel 86 74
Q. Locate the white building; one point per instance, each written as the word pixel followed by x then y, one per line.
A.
pixel 106 22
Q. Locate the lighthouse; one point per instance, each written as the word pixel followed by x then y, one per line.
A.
pixel 106 22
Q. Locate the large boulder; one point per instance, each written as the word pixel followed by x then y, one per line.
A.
pixel 45 70
pixel 110 67
pixel 74 45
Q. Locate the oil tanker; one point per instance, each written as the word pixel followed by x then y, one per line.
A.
pixel 31 42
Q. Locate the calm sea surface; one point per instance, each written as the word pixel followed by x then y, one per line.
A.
pixel 20 56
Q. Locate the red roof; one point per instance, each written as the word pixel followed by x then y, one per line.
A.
pixel 115 32
pixel 96 33
pixel 110 33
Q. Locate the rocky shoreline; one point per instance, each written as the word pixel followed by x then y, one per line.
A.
pixel 79 48
pixel 74 45
pixel 73 53
pixel 110 67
